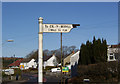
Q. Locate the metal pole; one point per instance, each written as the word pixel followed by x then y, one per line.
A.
pixel 61 58
pixel 40 52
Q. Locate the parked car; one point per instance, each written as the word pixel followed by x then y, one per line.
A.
pixel 86 80
pixel 55 70
pixel 8 71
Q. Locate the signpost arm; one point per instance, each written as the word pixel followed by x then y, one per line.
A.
pixel 40 52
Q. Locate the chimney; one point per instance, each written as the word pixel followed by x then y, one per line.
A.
pixel 73 52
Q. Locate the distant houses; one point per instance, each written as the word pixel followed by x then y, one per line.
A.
pixel 74 58
pixel 112 52
pixel 74 63
pixel 50 61
pixel 30 64
pixel 66 60
pixel 15 64
pixel 70 61
pixel 23 64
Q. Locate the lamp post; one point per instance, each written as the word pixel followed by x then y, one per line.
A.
pixel 9 40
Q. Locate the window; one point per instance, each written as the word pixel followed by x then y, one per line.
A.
pixel 116 55
pixel 111 57
pixel 58 69
pixel 111 53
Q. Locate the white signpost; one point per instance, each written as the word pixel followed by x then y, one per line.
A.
pixel 50 28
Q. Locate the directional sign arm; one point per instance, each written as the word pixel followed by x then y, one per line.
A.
pixel 59 27
pixel 75 25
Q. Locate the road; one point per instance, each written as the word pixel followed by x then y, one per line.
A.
pixel 32 78
pixel 55 77
pixel 52 79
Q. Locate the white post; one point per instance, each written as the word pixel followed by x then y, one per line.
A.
pixel 40 52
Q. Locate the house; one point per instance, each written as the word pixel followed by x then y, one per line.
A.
pixel 15 64
pixel 26 65
pixel 71 59
pixel 74 63
pixel 74 58
pixel 112 52
pixel 50 61
pixel 67 59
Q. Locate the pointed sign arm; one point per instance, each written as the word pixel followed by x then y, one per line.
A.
pixel 75 25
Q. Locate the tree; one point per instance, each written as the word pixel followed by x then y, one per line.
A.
pixel 82 59
pixel 93 52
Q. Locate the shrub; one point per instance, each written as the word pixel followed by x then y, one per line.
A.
pixel 17 72
pixel 4 75
pixel 101 72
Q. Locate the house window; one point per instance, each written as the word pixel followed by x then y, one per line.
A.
pixel 111 53
pixel 111 57
pixel 116 55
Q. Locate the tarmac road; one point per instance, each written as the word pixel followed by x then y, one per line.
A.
pixel 28 78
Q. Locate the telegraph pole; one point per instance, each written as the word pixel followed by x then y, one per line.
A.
pixel 40 52
pixel 61 57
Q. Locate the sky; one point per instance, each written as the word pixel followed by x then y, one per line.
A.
pixel 20 23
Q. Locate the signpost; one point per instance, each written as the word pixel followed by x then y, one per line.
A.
pixel 50 28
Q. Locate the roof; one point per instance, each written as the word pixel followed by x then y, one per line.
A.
pixel 26 60
pixel 9 58
pixel 115 46
pixel 47 57
pixel 16 63
pixel 77 53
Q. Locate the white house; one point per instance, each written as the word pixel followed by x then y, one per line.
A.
pixel 74 58
pixel 52 61
pixel 112 52
pixel 74 63
pixel 27 65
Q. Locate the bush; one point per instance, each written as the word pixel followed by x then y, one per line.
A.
pixel 101 72
pixel 17 72
pixel 3 74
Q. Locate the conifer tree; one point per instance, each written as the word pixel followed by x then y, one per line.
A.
pixel 93 52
